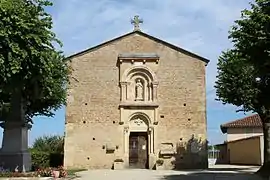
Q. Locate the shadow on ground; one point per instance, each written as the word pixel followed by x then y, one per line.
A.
pixel 240 173
pixel 250 170
pixel 213 176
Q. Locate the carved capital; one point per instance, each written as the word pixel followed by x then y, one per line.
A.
pixel 123 83
pixel 150 129
pixel 155 84
pixel 126 129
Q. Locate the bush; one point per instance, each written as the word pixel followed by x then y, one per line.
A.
pixel 56 159
pixel 47 151
pixel 52 144
pixel 40 159
pixel 44 159
pixel 48 172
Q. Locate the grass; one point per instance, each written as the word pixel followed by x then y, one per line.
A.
pixel 71 172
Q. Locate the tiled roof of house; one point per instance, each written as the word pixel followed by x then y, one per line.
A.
pixel 249 121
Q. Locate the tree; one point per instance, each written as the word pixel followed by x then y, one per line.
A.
pixel 50 144
pixel 244 70
pixel 30 65
pixel 33 73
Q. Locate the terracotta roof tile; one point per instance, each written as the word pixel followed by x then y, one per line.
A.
pixel 249 121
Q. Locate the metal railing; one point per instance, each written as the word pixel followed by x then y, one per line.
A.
pixel 213 154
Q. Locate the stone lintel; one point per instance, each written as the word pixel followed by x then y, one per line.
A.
pixel 138 56
pixel 139 104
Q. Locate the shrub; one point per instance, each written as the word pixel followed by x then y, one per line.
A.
pixel 40 159
pixel 44 159
pixel 56 159
pixel 48 172
pixel 52 144
pixel 47 151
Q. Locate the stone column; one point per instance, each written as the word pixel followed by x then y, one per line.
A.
pixel 126 139
pixel 155 85
pixel 152 158
pixel 150 92
pixel 123 91
pixel 126 146
pixel 149 141
pixel 155 116
pixel 152 139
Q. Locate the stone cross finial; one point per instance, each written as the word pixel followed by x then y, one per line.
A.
pixel 136 22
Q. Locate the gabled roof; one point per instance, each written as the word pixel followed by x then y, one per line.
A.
pixel 147 36
pixel 246 122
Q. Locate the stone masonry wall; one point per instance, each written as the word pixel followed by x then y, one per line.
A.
pixel 92 114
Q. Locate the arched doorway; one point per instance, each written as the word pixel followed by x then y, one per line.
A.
pixel 138 150
pixel 138 141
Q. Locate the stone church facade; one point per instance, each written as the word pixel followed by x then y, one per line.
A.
pixel 137 99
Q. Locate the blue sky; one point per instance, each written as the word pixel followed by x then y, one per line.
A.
pixel 200 26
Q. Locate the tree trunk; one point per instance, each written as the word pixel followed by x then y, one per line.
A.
pixel 264 171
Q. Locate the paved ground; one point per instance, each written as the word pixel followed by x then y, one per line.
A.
pixel 217 172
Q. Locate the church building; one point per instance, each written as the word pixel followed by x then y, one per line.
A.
pixel 136 101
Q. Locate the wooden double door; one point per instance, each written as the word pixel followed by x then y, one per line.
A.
pixel 138 150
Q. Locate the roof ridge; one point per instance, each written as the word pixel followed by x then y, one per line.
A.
pixel 253 120
pixel 165 43
pixel 241 119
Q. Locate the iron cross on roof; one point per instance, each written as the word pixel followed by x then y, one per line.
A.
pixel 136 22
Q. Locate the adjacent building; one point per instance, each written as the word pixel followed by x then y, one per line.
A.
pixel 244 144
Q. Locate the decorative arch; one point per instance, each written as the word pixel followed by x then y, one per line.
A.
pixel 142 115
pixel 138 83
pixel 143 70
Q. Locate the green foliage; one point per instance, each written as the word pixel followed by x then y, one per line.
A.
pixel 30 64
pixel 244 71
pixel 236 81
pixel 47 151
pixel 40 159
pixel 50 144
pixel 72 172
pixel 239 67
